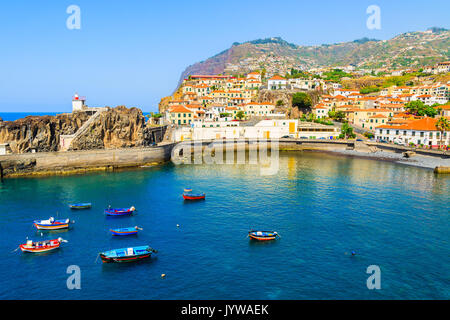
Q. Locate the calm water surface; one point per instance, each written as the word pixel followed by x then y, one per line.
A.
pixel 323 206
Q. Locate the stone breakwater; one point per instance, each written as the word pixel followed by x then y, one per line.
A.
pixel 78 162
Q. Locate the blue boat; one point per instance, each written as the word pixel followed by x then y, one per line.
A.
pixel 79 206
pixel 125 231
pixel 119 211
pixel 127 254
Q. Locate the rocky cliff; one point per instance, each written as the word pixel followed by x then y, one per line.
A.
pixel 285 96
pixel 39 132
pixel 115 128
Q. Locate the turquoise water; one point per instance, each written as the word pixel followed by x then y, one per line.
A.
pixel 323 206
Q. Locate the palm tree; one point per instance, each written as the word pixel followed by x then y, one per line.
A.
pixel 442 125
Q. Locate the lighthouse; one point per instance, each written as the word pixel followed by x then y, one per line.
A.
pixel 78 103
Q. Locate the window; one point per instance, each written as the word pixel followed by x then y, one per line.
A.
pixel 422 134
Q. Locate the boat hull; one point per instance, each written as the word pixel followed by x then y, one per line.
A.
pixel 52 245
pixel 80 206
pixel 134 258
pixel 262 238
pixel 119 212
pixel 194 197
pixel 262 235
pixel 51 227
pixel 123 233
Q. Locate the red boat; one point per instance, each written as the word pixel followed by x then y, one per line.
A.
pixel 41 246
pixel 191 196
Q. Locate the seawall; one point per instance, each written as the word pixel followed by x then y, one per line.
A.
pixel 75 162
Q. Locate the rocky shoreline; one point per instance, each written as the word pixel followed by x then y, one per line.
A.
pixel 422 161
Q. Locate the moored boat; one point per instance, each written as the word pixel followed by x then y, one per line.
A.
pixel 41 246
pixel 80 206
pixel 119 211
pixel 262 235
pixel 127 254
pixel 194 196
pixel 125 231
pixel 51 224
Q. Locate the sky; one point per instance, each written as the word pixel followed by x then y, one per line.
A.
pixel 132 53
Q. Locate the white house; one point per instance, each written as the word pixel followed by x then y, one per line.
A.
pixel 276 83
pixel 418 132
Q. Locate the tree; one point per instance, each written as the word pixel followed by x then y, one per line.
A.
pixel 280 103
pixel 301 100
pixel 347 131
pixel 419 108
pixel 336 115
pixel 442 125
pixel 240 115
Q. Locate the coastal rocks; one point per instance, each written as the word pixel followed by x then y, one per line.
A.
pixel 8 167
pixel 118 127
pixel 39 133
pixel 409 154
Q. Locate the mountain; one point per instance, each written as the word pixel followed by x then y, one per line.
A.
pixel 412 49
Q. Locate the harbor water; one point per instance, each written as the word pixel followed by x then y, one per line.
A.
pixel 323 206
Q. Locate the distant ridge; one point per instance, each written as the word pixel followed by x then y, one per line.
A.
pixel 411 49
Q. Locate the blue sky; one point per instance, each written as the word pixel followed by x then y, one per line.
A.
pixel 133 52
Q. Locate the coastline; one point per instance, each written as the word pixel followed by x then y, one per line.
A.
pixel 426 162
pixel 109 160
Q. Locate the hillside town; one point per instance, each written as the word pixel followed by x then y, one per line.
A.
pixel 413 113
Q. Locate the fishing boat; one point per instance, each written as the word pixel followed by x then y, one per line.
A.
pixel 52 224
pixel 125 231
pixel 119 211
pixel 127 254
pixel 262 235
pixel 80 206
pixel 193 196
pixel 41 246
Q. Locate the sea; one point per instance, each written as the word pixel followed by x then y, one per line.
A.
pixel 395 218
pixel 12 116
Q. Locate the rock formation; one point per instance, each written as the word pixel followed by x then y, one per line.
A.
pixel 115 128
pixel 40 133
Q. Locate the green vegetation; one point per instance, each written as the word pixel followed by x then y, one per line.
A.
pixel 225 114
pixel 301 100
pixel 338 116
pixel 347 132
pixel 280 103
pixel 336 75
pixel 369 89
pixel 442 125
pixel 369 135
pixel 418 108
pixel 240 115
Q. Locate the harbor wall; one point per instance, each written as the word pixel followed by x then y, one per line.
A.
pixel 74 162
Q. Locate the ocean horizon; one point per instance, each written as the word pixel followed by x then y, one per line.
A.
pixel 12 116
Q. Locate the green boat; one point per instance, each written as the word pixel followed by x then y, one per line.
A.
pixel 79 206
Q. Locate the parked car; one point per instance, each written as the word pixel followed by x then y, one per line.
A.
pixel 359 140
